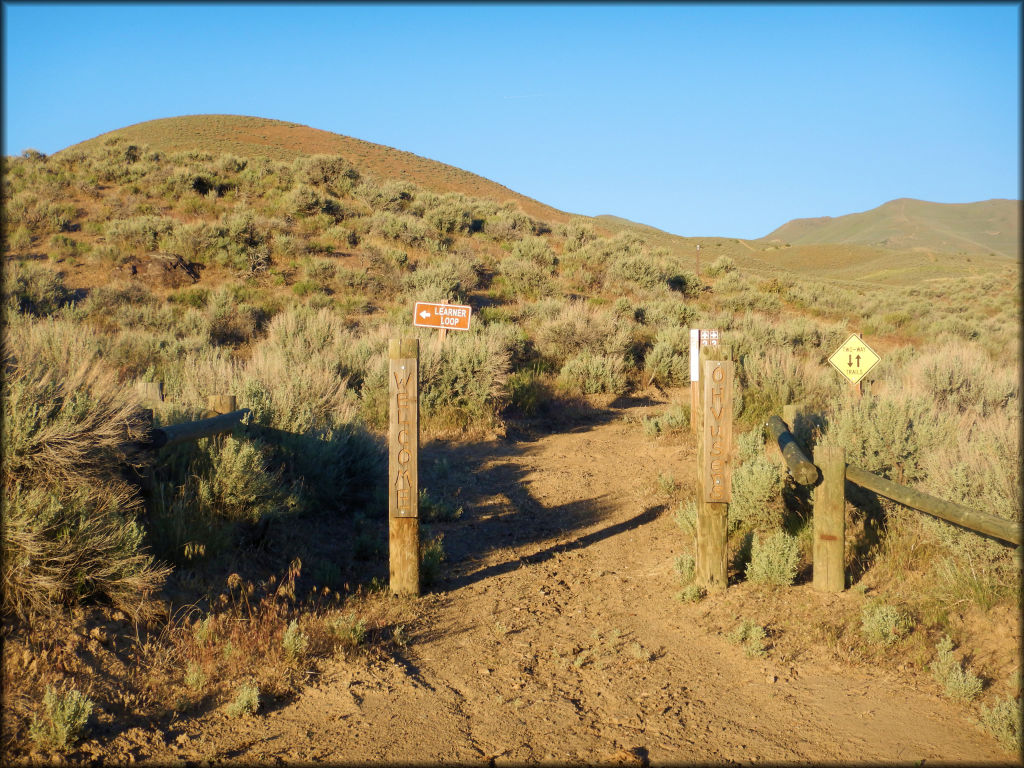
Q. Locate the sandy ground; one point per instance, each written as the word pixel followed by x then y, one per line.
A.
pixel 555 636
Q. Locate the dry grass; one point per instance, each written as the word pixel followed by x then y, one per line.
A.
pixel 309 267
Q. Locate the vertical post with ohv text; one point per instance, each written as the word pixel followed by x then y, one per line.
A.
pixel 403 465
pixel 714 467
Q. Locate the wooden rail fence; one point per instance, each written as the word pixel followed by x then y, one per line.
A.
pixel 221 416
pixel 829 502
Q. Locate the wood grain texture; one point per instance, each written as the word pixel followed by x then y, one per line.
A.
pixel 712 567
pixel 403 465
pixel 829 548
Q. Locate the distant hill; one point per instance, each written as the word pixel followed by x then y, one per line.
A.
pixel 900 241
pixel 257 136
pixel 987 227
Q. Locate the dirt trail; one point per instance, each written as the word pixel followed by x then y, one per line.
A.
pixel 556 636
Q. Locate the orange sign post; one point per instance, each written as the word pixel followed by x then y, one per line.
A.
pixel 447 317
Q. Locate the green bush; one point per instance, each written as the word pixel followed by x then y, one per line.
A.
pixel 508 224
pixel 686 518
pixel 536 250
pixel 527 391
pixel 69 518
pixel 450 217
pixel 431 557
pixel 240 485
pixel 246 701
pixel 958 683
pixel 63 720
pixel 393 196
pixel 330 172
pixel 720 266
pixel 752 636
pixel 686 567
pixel 884 624
pixel 673 420
pixel 589 374
pixel 890 436
pixel 692 593
pixel 449 279
pixel 465 381
pixel 1003 721
pixel 578 232
pixel 578 329
pixel 35 290
pixel 140 234
pixel 524 279
pixel 294 641
pixel 774 559
pixel 349 630
pixel 668 362
pixel 757 484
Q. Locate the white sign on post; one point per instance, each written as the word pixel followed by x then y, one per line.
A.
pixel 700 337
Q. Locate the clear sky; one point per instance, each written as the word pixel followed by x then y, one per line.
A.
pixel 726 119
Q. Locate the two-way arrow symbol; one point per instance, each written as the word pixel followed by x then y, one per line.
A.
pixel 850 361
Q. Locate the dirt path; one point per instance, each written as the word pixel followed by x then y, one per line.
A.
pixel 556 636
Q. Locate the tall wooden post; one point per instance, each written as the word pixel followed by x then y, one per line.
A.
pixel 442 333
pixel 789 414
pixel 219 404
pixel 403 465
pixel 829 547
pixel 694 406
pixel 150 391
pixel 714 467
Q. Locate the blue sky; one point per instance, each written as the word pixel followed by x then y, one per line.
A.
pixel 726 119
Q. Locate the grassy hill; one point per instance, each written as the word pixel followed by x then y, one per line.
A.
pixel 279 140
pixel 897 243
pixel 988 227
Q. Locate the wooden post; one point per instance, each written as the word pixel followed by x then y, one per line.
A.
pixel 150 391
pixel 714 467
pixel 789 413
pixel 148 474
pixel 694 379
pixel 403 465
pixel 218 404
pixel 441 334
pixel 694 405
pixel 829 549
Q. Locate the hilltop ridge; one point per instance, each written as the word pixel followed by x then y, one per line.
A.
pixel 279 140
pixel 987 227
pixel 891 243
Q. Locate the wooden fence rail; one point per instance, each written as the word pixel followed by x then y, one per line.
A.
pixel 174 434
pixel 830 496
pixel 979 522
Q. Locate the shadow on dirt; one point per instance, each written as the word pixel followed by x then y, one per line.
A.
pixel 490 482
pixel 647 516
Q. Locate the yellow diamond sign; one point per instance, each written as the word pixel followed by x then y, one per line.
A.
pixel 854 358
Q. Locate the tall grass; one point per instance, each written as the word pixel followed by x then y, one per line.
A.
pixel 70 529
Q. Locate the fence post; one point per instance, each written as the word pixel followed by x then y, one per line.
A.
pixel 150 391
pixel 220 404
pixel 789 415
pixel 403 465
pixel 829 549
pixel 714 471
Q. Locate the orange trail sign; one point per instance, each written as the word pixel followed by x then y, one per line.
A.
pixel 452 317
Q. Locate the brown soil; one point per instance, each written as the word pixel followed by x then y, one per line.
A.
pixel 555 636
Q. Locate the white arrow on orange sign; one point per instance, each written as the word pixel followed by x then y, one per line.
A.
pixel 454 317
